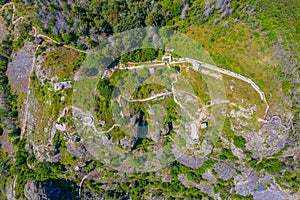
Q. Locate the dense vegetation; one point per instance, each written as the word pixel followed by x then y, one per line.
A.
pixel 5 51
pixel 275 21
pixel 140 55
pixel 84 25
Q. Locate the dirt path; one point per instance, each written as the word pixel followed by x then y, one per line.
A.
pixel 56 42
pixel 14 10
pixel 7 4
pixel 275 117
pixel 80 185
pixel 20 18
pixel 35 30
pixel 33 61
pixel 232 74
pixel 152 97
pixel 143 66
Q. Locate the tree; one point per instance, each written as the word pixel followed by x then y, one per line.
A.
pixel 2 114
pixel 155 19
pixel 1 131
pixel 239 141
pixel 67 37
pixel 15 132
pixel 105 88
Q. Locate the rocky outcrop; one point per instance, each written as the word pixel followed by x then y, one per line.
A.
pixel 20 69
pixel 77 149
pixel 51 189
pixel 268 140
pixel 187 160
pixel 225 171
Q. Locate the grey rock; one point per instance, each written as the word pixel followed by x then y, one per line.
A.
pixel 225 171
pixel 77 149
pixel 46 190
pixel 20 69
pixel 110 187
pixel 209 190
pixel 208 175
pixel 31 190
pixel 246 186
pixel 1 31
pixel 261 187
pixel 166 179
pixel 187 160
pixel 268 140
pixel 125 142
pixel 184 180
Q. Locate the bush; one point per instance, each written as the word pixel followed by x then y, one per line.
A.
pixel 239 141
pixel 105 89
pixel 1 131
pixel 206 165
pixel 140 55
pixel 15 132
pixel 226 153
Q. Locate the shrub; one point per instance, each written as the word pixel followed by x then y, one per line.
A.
pixel 15 132
pixel 239 141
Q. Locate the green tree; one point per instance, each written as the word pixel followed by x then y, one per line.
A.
pixel 68 37
pixel 105 88
pixel 1 131
pixel 239 141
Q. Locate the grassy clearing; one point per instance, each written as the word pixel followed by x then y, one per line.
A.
pixel 243 94
pixel 61 62
pixel 49 105
pixel 197 83
pixel 237 49
pixel 243 51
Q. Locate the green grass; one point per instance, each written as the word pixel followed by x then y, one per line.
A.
pixel 61 62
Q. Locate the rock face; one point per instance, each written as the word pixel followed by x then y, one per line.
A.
pixel 1 32
pixel 187 160
pixel 272 193
pixel 270 139
pixel 224 171
pixel 184 180
pixel 246 187
pixel 208 176
pixel 51 189
pixel 76 149
pixel 20 69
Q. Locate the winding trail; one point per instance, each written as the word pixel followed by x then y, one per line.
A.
pixel 8 4
pixel 142 66
pixel 20 18
pixel 24 121
pixel 107 131
pixel 232 74
pixel 80 185
pixel 13 14
pixel 85 114
pixel 59 43
pixel 35 30
pixel 275 117
pixel 152 97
